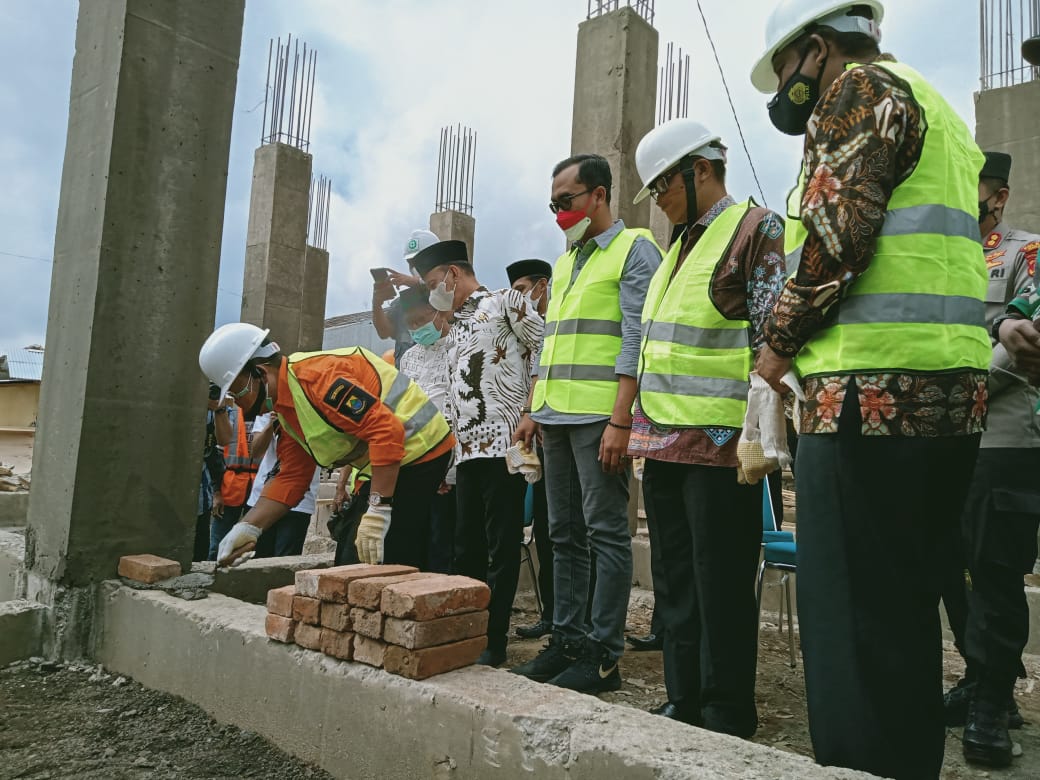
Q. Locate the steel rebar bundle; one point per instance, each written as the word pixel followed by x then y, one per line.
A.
pixel 289 97
pixel 673 86
pixel 455 166
pixel 318 212
pixel 1003 26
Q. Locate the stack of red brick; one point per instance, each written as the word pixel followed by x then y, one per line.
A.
pixel 411 623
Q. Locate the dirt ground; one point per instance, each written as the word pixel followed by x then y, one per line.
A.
pixel 74 722
pixel 780 694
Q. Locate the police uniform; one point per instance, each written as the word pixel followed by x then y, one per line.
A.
pixel 1003 509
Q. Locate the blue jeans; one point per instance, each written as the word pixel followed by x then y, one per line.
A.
pixel 220 525
pixel 588 513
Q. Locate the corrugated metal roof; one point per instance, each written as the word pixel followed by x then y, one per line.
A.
pixel 348 319
pixel 21 365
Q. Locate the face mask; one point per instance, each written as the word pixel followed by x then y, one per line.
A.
pixel 426 335
pixel 984 210
pixel 441 298
pixel 573 224
pixel 261 397
pixel 791 107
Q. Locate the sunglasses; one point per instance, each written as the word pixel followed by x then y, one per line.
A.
pixel 564 202
pixel 659 186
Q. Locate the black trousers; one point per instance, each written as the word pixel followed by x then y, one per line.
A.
pixel 1001 519
pixel 442 532
pixel 408 540
pixel 490 525
pixel 285 537
pixel 874 514
pixel 543 544
pixel 707 530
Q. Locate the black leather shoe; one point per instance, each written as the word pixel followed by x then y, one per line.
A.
pixel 539 629
pixel 648 642
pixel 675 712
pixel 955 705
pixel 1015 719
pixel 491 658
pixel 986 740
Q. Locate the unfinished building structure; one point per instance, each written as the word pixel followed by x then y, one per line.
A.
pixel 452 217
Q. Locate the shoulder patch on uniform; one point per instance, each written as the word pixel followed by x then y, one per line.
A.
pixel 993 259
pixel 771 226
pixel 1030 250
pixel 992 240
pixel 348 399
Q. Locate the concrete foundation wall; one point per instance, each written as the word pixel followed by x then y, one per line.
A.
pixel 22 625
pixel 357 722
pixel 12 566
pixel 1008 120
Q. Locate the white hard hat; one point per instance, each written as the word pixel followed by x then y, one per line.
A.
pixel 666 144
pixel 228 349
pixel 418 241
pixel 790 18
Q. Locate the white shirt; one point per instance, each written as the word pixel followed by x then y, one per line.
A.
pixel 428 366
pixel 490 346
pixel 269 467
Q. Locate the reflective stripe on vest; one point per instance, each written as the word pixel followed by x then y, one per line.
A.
pixel 919 305
pixel 694 362
pixel 424 426
pixel 583 330
pixel 239 468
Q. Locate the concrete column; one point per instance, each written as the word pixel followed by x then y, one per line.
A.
pixel 454 226
pixel 315 289
pixel 136 252
pixel 276 241
pixel 1008 120
pixel 615 88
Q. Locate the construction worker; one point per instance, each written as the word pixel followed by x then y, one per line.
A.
pixel 1003 511
pixel 884 320
pixel 390 322
pixel 493 335
pixel 701 324
pixel 531 278
pixel 335 408
pixel 240 469
pixel 582 402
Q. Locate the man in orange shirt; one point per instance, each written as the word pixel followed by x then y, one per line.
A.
pixel 337 408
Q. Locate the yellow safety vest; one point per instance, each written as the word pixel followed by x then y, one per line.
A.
pixel 919 305
pixel 424 426
pixel 694 363
pixel 583 330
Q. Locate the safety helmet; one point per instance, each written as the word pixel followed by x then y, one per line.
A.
pixel 668 143
pixel 228 349
pixel 790 18
pixel 418 241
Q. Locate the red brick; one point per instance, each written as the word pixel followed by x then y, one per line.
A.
pixel 367 592
pixel 336 616
pixel 333 584
pixel 420 664
pixel 416 634
pixel 306 610
pixel 367 622
pixel 280 628
pixel 279 601
pixel 434 597
pixel 148 568
pixel 339 644
pixel 368 651
pixel 308 636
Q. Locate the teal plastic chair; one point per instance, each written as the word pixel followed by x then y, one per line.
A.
pixel 778 552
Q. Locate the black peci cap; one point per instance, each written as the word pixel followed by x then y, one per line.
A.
pixel 441 253
pixel 1031 50
pixel 522 268
pixel 997 166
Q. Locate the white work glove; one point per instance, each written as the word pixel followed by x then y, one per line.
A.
pixel 371 533
pixel 521 459
pixel 762 448
pixel 238 545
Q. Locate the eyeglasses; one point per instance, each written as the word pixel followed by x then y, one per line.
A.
pixel 659 186
pixel 564 202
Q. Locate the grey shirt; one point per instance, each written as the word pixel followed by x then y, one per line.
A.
pixel 643 259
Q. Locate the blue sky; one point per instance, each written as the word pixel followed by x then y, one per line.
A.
pixel 390 75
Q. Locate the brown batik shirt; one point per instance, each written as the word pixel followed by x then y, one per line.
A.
pixel 864 139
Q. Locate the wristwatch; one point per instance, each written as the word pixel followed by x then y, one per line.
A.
pixel 377 499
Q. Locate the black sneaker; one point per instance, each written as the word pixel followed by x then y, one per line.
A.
pixel 986 740
pixel 557 655
pixel 595 672
pixel 541 628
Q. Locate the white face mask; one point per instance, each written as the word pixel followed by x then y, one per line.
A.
pixel 441 298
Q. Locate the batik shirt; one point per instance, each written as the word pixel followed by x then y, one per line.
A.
pixel 864 140
pixel 744 287
pixel 490 345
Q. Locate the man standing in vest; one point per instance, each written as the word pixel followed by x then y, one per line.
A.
pixel 240 469
pixel 341 407
pixel 582 400
pixel 492 338
pixel 885 323
pixel 1003 509
pixel 701 324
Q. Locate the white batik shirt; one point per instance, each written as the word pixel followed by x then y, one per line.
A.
pixel 490 346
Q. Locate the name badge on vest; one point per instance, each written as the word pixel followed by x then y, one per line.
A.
pixel 348 399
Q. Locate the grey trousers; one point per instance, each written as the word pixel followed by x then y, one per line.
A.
pixel 588 510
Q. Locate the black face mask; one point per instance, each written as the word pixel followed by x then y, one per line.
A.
pixel 791 107
pixel 984 210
